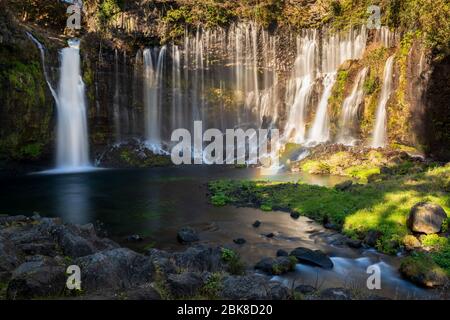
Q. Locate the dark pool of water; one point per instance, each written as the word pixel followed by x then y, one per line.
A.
pixel 155 203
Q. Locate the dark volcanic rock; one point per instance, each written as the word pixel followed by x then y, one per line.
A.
pixel 38 277
pixel 270 235
pixel 426 217
pixel 251 287
pixel 282 253
pixel 187 235
pixel 239 241
pixel 9 258
pixel 256 224
pixel 184 284
pixel 314 257
pixel 335 294
pixel 200 258
pixel 295 215
pixel 305 289
pixel 354 243
pixel 277 266
pixel 343 186
pixel 118 268
pixel 372 237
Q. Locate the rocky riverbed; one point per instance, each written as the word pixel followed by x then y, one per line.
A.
pixel 35 253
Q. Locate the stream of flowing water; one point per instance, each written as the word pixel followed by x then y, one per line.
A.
pixel 379 132
pixel 72 134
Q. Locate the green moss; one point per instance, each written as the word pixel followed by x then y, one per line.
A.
pixel 212 287
pixel 421 268
pixel 266 207
pixel 362 172
pixel 433 241
pixel 315 167
pixel 234 264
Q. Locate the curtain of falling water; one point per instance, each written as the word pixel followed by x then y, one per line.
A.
pixel 72 137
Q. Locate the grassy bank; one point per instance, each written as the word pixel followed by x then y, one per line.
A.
pixel 381 206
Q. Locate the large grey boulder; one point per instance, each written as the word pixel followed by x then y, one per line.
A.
pixel 276 266
pixel 118 268
pixel 38 277
pixel 184 284
pixel 314 257
pixel 426 217
pixel 187 235
pixel 200 258
pixel 251 287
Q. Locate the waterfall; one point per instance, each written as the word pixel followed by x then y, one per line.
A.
pixel 350 108
pixel 299 88
pixel 72 135
pixel 116 103
pixel 336 49
pixel 44 66
pixel 379 133
pixel 177 112
pixel 320 131
pixel 153 97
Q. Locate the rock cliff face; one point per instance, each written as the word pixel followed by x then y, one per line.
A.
pixel 115 33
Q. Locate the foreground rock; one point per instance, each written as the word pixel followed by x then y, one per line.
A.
pixel 421 270
pixel 132 154
pixel 187 235
pixel 314 257
pixel 426 217
pixel 252 287
pixel 118 268
pixel 276 266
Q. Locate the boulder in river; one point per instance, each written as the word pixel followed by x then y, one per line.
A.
pixel 314 257
pixel 426 217
pixel 335 294
pixel 276 266
pixel 184 284
pixel 422 270
pixel 256 224
pixel 239 241
pixel 343 186
pixel 282 253
pixel 38 277
pixel 252 287
pixel 187 235
pixel 305 289
pixel 115 269
pixel 295 215
pixel 372 237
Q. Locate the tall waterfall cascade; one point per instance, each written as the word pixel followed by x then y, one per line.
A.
pixel 72 134
pixel 349 113
pixel 379 138
pixel 336 49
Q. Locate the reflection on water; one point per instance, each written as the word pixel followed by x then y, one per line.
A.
pixel 72 199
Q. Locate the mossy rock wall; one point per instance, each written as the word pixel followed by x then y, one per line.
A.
pixel 26 105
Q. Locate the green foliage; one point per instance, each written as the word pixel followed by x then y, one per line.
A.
pixel 267 13
pixel 336 8
pixel 419 264
pixel 233 260
pixel 108 9
pixel 363 172
pixel 433 241
pixel 212 287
